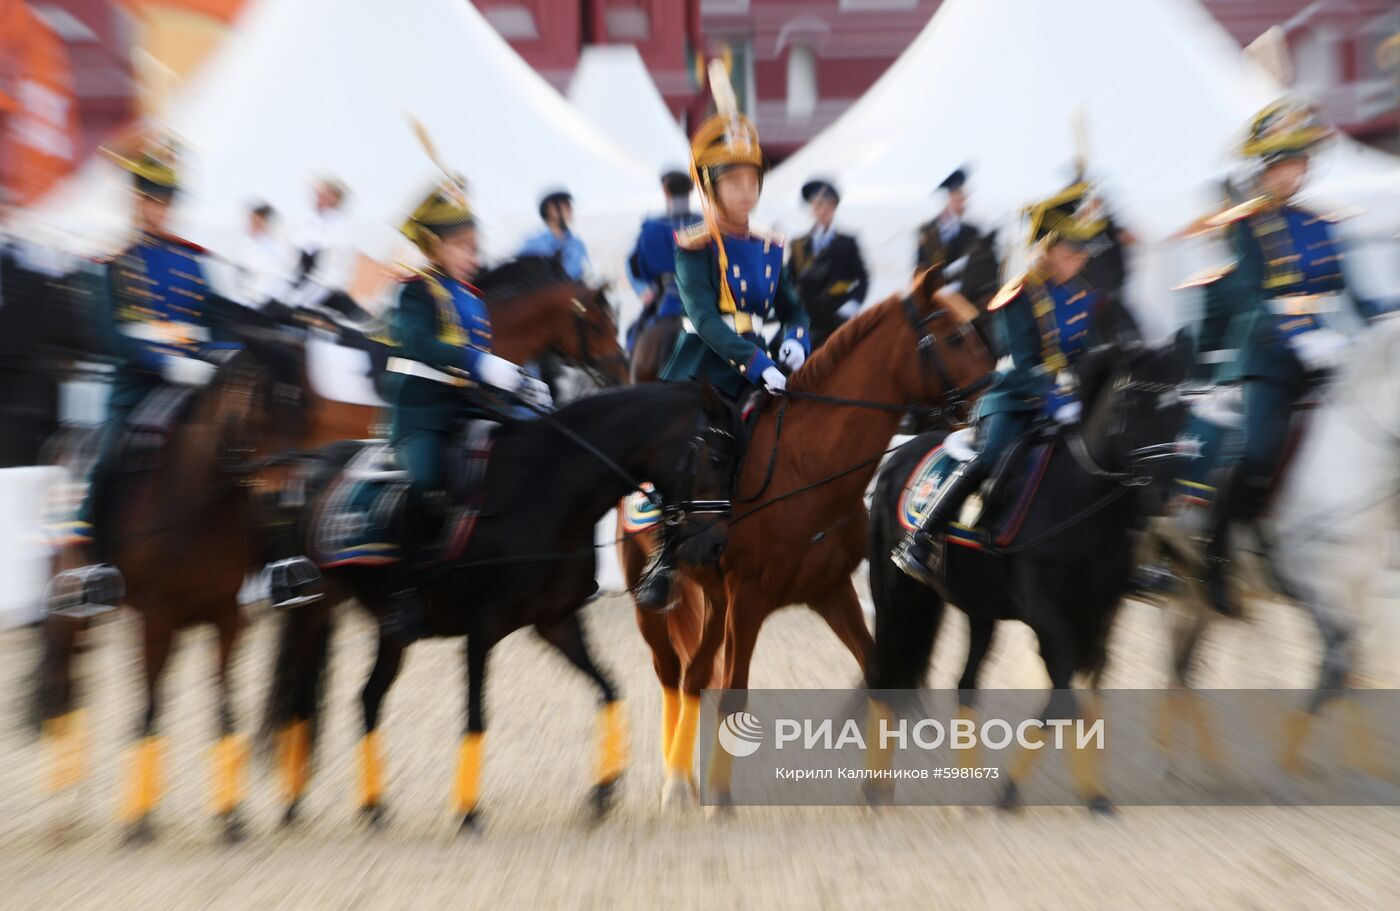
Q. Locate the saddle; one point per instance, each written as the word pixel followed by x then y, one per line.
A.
pixel 152 423
pixel 991 518
pixel 369 512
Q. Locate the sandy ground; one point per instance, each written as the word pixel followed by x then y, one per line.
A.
pixel 539 851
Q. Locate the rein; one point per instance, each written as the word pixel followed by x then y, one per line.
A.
pixel 954 398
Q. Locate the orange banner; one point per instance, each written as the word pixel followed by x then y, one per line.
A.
pixel 38 145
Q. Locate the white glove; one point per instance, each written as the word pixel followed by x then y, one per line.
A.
pixel 1069 412
pixel 499 372
pixel 848 310
pixel 773 379
pixel 791 355
pixel 187 371
pixel 535 392
pixel 1320 349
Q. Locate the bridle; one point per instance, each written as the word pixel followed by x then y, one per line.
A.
pixel 955 398
pixel 1138 457
pixel 584 329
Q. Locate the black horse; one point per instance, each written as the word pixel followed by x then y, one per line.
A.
pixel 1070 564
pixel 530 562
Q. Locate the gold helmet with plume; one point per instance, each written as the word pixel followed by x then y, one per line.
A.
pixel 726 140
pixel 444 209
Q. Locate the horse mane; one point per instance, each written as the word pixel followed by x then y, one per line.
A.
pixel 827 359
pixel 520 276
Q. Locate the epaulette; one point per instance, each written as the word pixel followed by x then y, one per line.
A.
pixel 1333 217
pixel 1207 276
pixel 435 287
pixel 1226 217
pixel 187 244
pixel 1008 293
pixel 769 236
pixel 693 237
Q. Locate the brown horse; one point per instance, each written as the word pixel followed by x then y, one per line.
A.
pixel 799 524
pixel 183 533
pixel 655 344
pixel 533 315
pixel 535 308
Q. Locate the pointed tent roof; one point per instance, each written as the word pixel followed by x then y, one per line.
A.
pixel 1165 94
pixel 612 89
pixel 318 86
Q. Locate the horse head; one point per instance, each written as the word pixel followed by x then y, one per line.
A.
pixel 1133 405
pixel 537 308
pixel 918 349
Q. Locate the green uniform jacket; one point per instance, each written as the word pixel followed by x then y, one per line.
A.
pixel 714 352
pixel 422 404
pixel 1024 386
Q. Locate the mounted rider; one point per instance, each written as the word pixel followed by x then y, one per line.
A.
pixel 730 276
pixel 1047 319
pixel 652 265
pixel 443 332
pixel 162 322
pixel 732 286
pixel 1271 308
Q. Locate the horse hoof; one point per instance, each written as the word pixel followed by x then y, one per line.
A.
pixel 1010 798
pixel 374 815
pixel 234 829
pixel 1100 805
pixel 292 815
pixel 677 795
pixel 140 833
pixel 471 824
pixel 600 799
pixel 721 807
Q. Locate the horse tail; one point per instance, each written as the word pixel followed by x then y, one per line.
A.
pixel 907 613
pixel 300 673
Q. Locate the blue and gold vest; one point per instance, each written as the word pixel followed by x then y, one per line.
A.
pixel 755 266
pixel 1063 314
pixel 159 281
pixel 472 317
pixel 1300 258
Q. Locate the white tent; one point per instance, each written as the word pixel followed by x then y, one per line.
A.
pixel 304 87
pixel 1165 94
pixel 612 89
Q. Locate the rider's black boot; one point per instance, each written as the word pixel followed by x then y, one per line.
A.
pixel 1231 505
pixel 920 554
pixel 406 620
pixel 653 589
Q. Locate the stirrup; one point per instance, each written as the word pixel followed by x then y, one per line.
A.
pixel 653 589
pixel 291 582
pixel 86 591
pixel 926 567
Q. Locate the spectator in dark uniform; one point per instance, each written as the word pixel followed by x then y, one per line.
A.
pixel 826 265
pixel 947 239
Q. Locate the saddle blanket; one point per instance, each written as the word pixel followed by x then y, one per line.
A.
pixel 639 512
pixel 1000 528
pixel 360 520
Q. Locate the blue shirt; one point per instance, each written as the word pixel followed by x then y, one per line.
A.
pixel 653 260
pixel 569 249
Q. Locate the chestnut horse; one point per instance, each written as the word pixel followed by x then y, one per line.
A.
pixel 182 529
pixel 535 313
pixel 656 342
pixel 536 308
pixel 799 524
